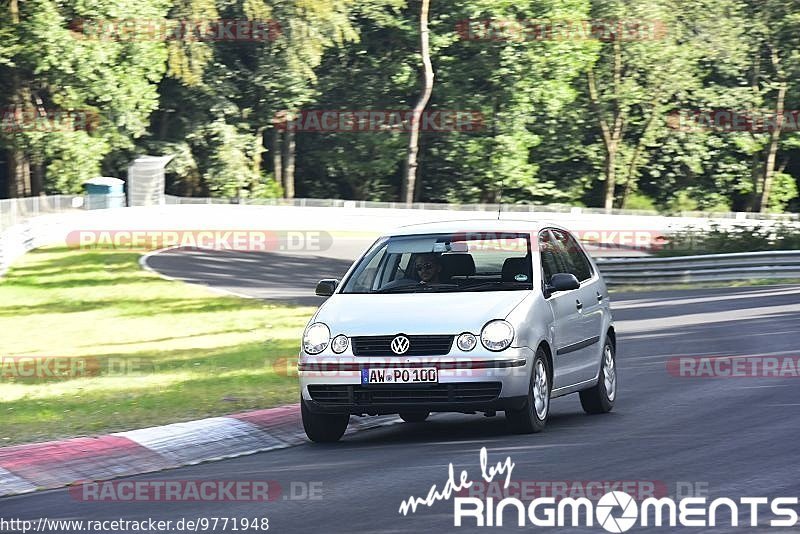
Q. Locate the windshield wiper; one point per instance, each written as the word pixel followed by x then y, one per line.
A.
pixel 497 284
pixel 398 289
pixel 419 288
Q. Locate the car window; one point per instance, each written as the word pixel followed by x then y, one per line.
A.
pixel 549 256
pixel 576 261
pixel 475 261
pixel 363 278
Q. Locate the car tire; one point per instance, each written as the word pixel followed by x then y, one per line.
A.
pixel 600 398
pixel 414 417
pixel 532 417
pixel 321 427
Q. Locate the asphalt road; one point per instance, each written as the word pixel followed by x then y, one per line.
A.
pixel 283 276
pixel 734 437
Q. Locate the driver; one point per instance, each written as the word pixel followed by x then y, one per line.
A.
pixel 428 267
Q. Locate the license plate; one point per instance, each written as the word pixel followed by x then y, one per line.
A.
pixel 416 375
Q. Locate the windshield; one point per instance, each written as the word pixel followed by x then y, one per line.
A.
pixel 440 263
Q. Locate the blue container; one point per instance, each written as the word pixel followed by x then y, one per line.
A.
pixel 104 192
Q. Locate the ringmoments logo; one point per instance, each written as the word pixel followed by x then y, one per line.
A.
pixel 615 511
pixel 618 511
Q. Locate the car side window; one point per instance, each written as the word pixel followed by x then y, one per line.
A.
pixel 365 279
pixel 549 256
pixel 577 262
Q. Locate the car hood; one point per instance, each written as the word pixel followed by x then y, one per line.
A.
pixel 416 313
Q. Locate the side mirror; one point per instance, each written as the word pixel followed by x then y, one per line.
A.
pixel 325 288
pixel 562 282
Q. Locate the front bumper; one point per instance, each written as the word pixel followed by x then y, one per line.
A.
pixel 482 382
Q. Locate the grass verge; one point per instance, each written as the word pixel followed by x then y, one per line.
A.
pixel 139 350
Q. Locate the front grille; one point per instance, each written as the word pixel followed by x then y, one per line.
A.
pixel 405 394
pixel 419 345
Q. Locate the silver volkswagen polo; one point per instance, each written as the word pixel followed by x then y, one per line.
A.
pixel 460 316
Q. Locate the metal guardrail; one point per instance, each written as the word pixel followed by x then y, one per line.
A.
pixel 18 210
pixel 777 265
pixel 18 222
pixel 506 208
pixel 22 228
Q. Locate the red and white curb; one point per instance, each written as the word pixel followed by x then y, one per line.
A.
pixel 26 468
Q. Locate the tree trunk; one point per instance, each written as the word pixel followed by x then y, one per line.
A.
pixel 288 169
pixel 19 174
pixel 258 152
pixel 633 166
pixel 410 181
pixel 37 179
pixel 756 169
pixel 611 176
pixel 277 157
pixel 775 137
pixel 612 133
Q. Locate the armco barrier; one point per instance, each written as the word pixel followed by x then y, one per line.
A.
pixel 491 208
pixel 30 224
pixel 774 265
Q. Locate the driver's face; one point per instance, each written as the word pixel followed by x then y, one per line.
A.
pixel 427 268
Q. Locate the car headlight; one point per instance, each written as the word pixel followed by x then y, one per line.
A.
pixel 316 338
pixel 466 342
pixel 339 344
pixel 497 335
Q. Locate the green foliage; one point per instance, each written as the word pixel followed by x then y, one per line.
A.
pixel 638 201
pixel 681 202
pixel 213 104
pixel 50 66
pixel 736 238
pixel 784 189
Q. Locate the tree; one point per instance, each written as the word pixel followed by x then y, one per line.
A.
pixel 427 88
pixel 775 53
pixel 647 61
pixel 72 97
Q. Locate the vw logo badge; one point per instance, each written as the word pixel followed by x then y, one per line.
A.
pixel 400 345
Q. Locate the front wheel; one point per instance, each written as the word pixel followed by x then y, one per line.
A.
pixel 532 417
pixel 600 398
pixel 323 428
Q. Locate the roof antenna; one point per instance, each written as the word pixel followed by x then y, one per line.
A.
pixel 500 200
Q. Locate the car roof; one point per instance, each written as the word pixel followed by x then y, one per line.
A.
pixel 473 225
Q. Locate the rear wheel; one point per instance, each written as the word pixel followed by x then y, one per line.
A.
pixel 414 417
pixel 600 398
pixel 323 428
pixel 532 417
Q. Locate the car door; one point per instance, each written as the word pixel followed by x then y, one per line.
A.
pixel 585 344
pixel 567 366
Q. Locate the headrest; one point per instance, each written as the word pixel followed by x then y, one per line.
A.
pixel 458 265
pixel 516 266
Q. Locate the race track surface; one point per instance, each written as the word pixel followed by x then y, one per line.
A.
pixel 731 437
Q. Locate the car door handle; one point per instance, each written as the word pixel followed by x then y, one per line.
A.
pixel 599 297
pixel 579 305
